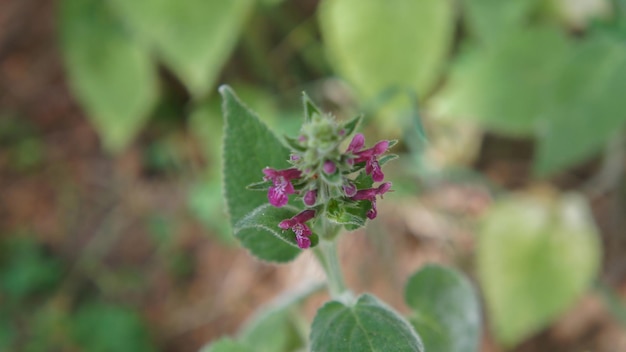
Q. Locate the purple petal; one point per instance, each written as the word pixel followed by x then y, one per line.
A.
pixel 329 167
pixel 277 196
pixel 309 198
pixel 375 171
pixel 349 189
pixel 304 216
pixel 303 242
pixel 357 143
pixel 286 224
pixel 380 147
pixel 383 188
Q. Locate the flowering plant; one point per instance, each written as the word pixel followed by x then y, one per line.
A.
pixel 295 194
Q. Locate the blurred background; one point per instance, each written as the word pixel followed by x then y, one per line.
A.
pixel 510 116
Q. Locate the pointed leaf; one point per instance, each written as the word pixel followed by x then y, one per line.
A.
pixel 248 147
pixel 490 20
pixel 535 258
pixel 351 126
pixel 367 325
pixel 113 78
pixel 194 37
pixel 378 44
pixel 446 309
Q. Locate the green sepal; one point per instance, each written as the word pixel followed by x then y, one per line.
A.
pixel 309 108
pixel 348 215
pixel 363 181
pixel 334 179
pixel 259 186
pixel 267 217
pixel 350 126
pixel 387 158
pixel 392 143
pixel 293 144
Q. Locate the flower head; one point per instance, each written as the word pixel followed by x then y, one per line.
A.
pixel 370 194
pixel 278 193
pixel 298 226
pixel 369 156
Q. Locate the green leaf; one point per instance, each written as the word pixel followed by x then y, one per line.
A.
pixel 113 78
pixel 351 217
pixel 264 220
pixel 249 146
pixel 505 87
pixel 26 269
pixel 194 37
pixel 378 44
pixel 446 309
pixel 273 328
pixel 100 327
pixel 587 106
pixel 226 344
pixel 293 144
pixel 366 325
pixel 492 19
pixel 535 258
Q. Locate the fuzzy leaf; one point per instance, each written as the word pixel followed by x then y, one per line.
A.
pixel 351 126
pixel 309 107
pixel 367 325
pixel 446 309
pixel 194 37
pixel 249 146
pixel 113 78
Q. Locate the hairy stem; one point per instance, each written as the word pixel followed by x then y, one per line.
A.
pixel 326 254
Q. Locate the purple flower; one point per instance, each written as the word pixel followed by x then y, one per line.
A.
pixel 329 167
pixel 370 194
pixel 298 226
pixel 349 189
pixel 310 197
pixel 278 194
pixel 369 156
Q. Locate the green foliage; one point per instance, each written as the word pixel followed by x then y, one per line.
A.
pixel 535 258
pixel 505 87
pixel 227 345
pixel 379 44
pixel 194 37
pixel 446 309
pixel 25 268
pixel 586 106
pixel 274 327
pixel 113 77
pixel 100 327
pixel 490 20
pixel 249 146
pixel 364 325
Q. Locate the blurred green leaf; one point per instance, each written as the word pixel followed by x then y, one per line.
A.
pixel 113 77
pixel 249 146
pixel 366 325
pixel 446 309
pixel 535 258
pixel 194 37
pixel 505 87
pixel 272 328
pixel 99 327
pixel 206 203
pixel 491 19
pixel 587 107
pixel 226 345
pixel 380 44
pixel 25 268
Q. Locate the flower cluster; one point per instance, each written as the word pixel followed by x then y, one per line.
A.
pixel 321 175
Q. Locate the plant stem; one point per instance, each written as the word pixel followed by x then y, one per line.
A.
pixel 326 253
